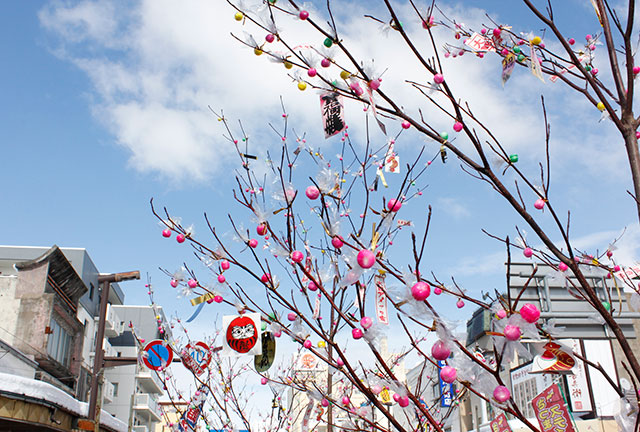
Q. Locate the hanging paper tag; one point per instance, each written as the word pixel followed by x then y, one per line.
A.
pixel 332 114
pixel 316 308
pixel 381 300
pixel 307 416
pixel 382 179
pixel 241 334
pixel 535 66
pixel 392 164
pixel 480 43
pixel 508 63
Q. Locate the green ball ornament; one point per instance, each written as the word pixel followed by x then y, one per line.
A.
pixel 607 306
pixel 587 68
pixel 513 158
pixel 328 42
pixel 444 135
pixel 272 316
pixel 520 58
pixel 264 326
pixel 516 49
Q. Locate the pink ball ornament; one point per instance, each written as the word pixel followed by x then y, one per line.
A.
pixel 269 37
pixel 460 304
pixel 303 15
pixel 366 258
pixel 457 126
pixel 166 233
pixel 312 72
pixel 291 316
pixel 501 313
pixel 403 401
pixel 265 277
pixel 222 279
pixel 253 243
pixel 396 397
pixel 324 402
pixel 496 32
pixel 448 374
pixel 406 125
pixel 512 332
pixel 530 313
pixel 539 204
pixel 501 394
pixel 192 283
pixel 180 238
pixel 345 400
pixel 339 362
pixel 312 286
pixel 337 242
pixel 366 322
pixel 420 291
pixel 261 229
pixel 376 389
pixel 312 192
pixel 527 252
pixel 437 290
pixel 636 70
pixel 277 333
pixel 218 299
pixel 173 283
pixel 356 333
pixel 562 266
pixel 374 84
pixel 483 31
pixel 440 351
pixel 263 381
pixel 325 63
pixel 394 205
pixel 307 344
pixel 438 78
pixel 297 256
pixel 571 41
pixel 225 265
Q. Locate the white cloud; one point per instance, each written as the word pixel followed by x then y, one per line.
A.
pixel 453 207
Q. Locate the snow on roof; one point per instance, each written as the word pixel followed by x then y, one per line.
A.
pixel 41 390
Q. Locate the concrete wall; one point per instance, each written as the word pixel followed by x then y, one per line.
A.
pixel 9 306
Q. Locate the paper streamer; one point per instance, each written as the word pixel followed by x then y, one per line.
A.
pixel 196 313
pixel 307 416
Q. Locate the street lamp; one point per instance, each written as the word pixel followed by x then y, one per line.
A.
pixel 98 363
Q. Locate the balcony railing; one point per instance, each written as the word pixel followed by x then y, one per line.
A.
pixel 149 381
pixel 107 391
pixel 146 402
pixel 113 326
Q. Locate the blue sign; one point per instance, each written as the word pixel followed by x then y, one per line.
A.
pixel 446 389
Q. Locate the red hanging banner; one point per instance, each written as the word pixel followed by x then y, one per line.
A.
pixel 551 411
pixel 500 424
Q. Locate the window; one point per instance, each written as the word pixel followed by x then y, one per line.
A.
pixel 91 291
pixel 59 344
pixel 115 389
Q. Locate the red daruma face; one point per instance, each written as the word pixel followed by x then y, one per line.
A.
pixel 242 334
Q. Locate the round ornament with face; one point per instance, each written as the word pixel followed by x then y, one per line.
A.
pixel 242 334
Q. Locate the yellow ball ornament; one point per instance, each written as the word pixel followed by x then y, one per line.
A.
pixel 344 74
pixel 257 51
pixel 322 344
pixel 288 65
pixel 238 16
pixel 600 106
pixel 536 40
pixel 302 86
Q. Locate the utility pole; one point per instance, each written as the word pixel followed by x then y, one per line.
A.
pixel 95 397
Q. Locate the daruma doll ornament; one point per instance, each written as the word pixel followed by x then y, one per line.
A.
pixel 242 334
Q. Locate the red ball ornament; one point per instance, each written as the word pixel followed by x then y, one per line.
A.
pixel 501 394
pixel 303 15
pixel 253 243
pixel 297 256
pixel 394 205
pixel 261 229
pixel 337 242
pixel 512 332
pixel 527 252
pixel 356 333
pixel 420 291
pixel 166 233
pixel 530 313
pixel 312 192
pixel 180 238
pixel 440 351
pixel 448 374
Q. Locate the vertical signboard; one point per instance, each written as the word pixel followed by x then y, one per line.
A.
pixel 500 424
pixel 577 382
pixel 446 389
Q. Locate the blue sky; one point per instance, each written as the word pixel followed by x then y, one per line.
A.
pixel 105 107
